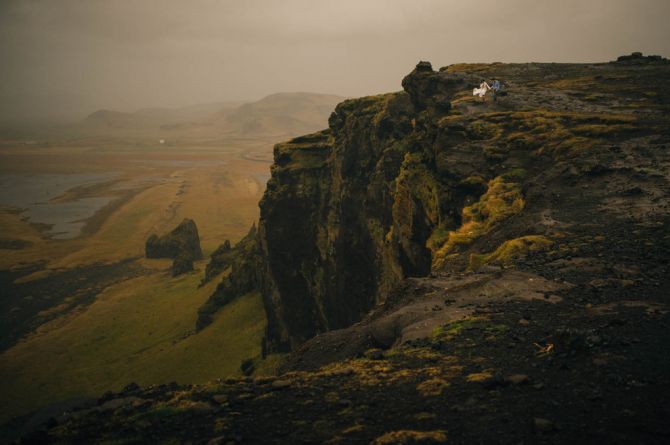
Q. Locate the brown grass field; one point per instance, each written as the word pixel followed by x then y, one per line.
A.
pixel 141 328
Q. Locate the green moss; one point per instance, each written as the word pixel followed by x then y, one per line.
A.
pixel 478 68
pixel 602 130
pixel 576 83
pixel 522 141
pixel 559 133
pixel 416 184
pixel 482 130
pixel 161 411
pixel 448 331
pixel 380 107
pixel 475 180
pixel 511 250
pixel 304 152
pixel 593 97
pixel 439 236
pixel 501 200
pixel 377 231
pixel 514 175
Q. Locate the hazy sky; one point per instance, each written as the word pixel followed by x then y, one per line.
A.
pixel 76 56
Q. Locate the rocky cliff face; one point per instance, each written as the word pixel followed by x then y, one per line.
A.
pixel 429 179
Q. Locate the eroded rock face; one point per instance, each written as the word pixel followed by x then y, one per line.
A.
pixel 183 240
pixel 431 180
pixel 348 211
pixel 219 261
pixel 246 267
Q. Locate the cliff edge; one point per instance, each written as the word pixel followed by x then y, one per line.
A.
pixel 432 179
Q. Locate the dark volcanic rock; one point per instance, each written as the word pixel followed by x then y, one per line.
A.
pixel 429 88
pixel 246 266
pixel 182 264
pixel 183 240
pixel 219 261
pixel 638 57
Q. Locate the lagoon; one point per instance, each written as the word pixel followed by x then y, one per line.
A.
pixel 33 194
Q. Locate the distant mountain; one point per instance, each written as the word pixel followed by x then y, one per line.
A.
pixel 113 119
pixel 155 117
pixel 281 114
pixel 197 112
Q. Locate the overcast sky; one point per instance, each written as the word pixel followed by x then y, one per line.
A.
pixel 76 56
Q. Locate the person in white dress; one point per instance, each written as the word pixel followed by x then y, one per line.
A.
pixel 481 91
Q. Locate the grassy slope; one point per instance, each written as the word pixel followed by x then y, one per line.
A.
pixel 136 331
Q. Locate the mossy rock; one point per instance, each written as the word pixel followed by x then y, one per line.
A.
pixel 183 239
pixel 182 264
pixel 219 261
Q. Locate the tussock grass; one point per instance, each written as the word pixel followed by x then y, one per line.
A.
pixel 511 250
pixel 501 200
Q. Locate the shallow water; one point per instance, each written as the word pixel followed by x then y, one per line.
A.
pixel 33 192
pixel 66 218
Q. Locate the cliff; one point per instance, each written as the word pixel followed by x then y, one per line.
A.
pixel 449 270
pixel 430 179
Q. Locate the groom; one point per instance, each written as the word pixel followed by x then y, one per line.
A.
pixel 495 87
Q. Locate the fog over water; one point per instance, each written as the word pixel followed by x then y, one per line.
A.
pixel 67 58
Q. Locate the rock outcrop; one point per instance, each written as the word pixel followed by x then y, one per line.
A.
pixel 219 261
pixel 183 240
pixel 638 57
pixel 182 264
pixel 245 268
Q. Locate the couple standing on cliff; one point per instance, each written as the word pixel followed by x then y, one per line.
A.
pixel 484 87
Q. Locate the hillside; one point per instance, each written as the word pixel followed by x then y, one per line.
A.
pixel 279 115
pixel 285 114
pixel 446 269
pixel 151 118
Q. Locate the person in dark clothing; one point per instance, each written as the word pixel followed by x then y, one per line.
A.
pixel 495 88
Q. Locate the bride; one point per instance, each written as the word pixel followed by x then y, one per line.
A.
pixel 481 91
